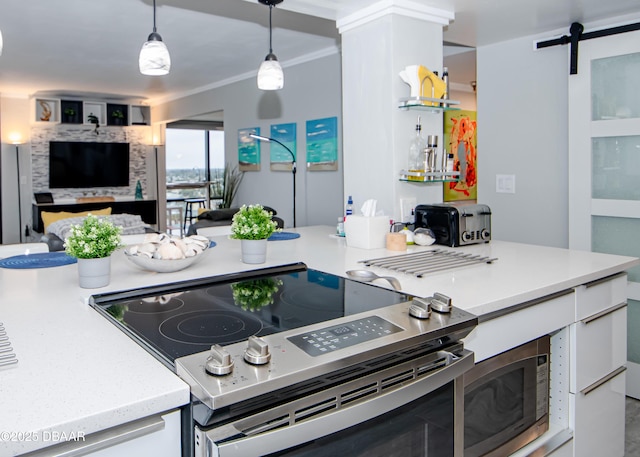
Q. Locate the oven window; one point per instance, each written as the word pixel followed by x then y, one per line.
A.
pixel 421 428
pixel 493 406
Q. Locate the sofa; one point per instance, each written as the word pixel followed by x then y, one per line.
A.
pixel 222 217
pixel 57 231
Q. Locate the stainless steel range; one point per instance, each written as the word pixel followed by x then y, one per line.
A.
pixel 293 361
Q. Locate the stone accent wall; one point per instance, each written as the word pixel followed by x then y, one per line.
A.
pixel 137 137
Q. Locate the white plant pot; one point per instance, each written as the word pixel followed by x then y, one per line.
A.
pixel 253 251
pixel 94 273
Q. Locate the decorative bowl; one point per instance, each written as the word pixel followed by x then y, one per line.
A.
pixel 162 265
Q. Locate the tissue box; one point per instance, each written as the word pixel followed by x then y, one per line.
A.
pixel 366 232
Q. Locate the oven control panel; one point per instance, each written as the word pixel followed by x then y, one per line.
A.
pixel 341 336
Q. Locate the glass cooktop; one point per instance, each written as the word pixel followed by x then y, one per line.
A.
pixel 184 318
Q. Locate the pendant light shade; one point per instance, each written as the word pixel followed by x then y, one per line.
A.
pixel 154 55
pixel 270 75
pixel 0 42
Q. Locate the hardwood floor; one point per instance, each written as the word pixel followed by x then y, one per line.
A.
pixel 632 432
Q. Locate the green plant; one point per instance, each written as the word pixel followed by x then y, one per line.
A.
pixel 252 222
pixel 117 114
pixel 93 239
pixel 94 120
pixel 254 294
pixel 70 112
pixel 230 182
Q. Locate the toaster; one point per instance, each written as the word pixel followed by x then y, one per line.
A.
pixel 456 224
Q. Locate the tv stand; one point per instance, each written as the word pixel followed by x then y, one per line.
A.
pixel 147 209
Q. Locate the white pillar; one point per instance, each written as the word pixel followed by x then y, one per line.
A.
pixel 377 43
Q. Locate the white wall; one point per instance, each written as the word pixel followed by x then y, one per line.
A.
pixel 467 99
pixel 522 131
pixel 312 90
pixel 14 121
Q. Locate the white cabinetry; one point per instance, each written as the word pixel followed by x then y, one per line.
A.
pixel 597 386
pixel 566 450
pixel 594 321
pixel 159 436
pixel 164 442
pixel 599 420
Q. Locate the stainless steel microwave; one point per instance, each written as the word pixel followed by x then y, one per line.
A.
pixel 506 400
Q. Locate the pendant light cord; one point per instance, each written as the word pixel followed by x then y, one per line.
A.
pixel 270 32
pixel 154 16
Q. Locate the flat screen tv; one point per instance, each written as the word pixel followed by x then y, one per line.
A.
pixel 74 164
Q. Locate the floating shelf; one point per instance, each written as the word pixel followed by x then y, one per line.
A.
pixel 76 111
pixel 428 104
pixel 429 176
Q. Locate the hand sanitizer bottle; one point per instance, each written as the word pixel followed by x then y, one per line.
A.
pixel 349 208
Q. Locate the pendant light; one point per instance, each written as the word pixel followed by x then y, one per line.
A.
pixel 154 55
pixel 0 42
pixel 270 76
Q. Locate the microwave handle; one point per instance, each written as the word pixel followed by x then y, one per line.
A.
pixel 287 437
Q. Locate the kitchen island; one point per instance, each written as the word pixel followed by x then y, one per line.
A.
pixel 79 375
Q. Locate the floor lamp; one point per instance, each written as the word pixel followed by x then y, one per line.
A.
pixel 19 193
pixel 293 167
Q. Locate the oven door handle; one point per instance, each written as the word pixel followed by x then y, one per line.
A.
pixel 229 441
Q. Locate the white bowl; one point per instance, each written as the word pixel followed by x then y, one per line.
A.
pixel 163 265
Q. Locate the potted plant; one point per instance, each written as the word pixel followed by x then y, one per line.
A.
pixel 118 117
pixel 226 186
pixel 92 243
pixel 70 114
pixel 252 225
pixel 93 119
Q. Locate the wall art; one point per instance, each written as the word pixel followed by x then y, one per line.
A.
pixel 460 140
pixel 322 144
pixel 281 158
pixel 248 149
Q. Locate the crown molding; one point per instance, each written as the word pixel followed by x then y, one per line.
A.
pixel 400 7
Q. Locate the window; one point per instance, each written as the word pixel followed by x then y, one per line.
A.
pixel 195 162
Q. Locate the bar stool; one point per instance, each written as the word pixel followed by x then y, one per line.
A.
pixel 174 219
pixel 188 213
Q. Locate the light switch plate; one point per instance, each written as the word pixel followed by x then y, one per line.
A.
pixel 506 184
pixel 407 205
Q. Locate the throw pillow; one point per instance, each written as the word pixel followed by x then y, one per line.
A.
pixel 49 218
pixel 224 214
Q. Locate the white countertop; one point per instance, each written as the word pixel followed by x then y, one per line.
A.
pixel 78 372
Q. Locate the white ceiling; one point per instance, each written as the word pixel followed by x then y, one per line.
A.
pixel 92 46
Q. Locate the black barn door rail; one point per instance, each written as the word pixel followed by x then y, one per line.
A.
pixel 576 35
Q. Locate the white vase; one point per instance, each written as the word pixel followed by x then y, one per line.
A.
pixel 254 251
pixel 94 273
